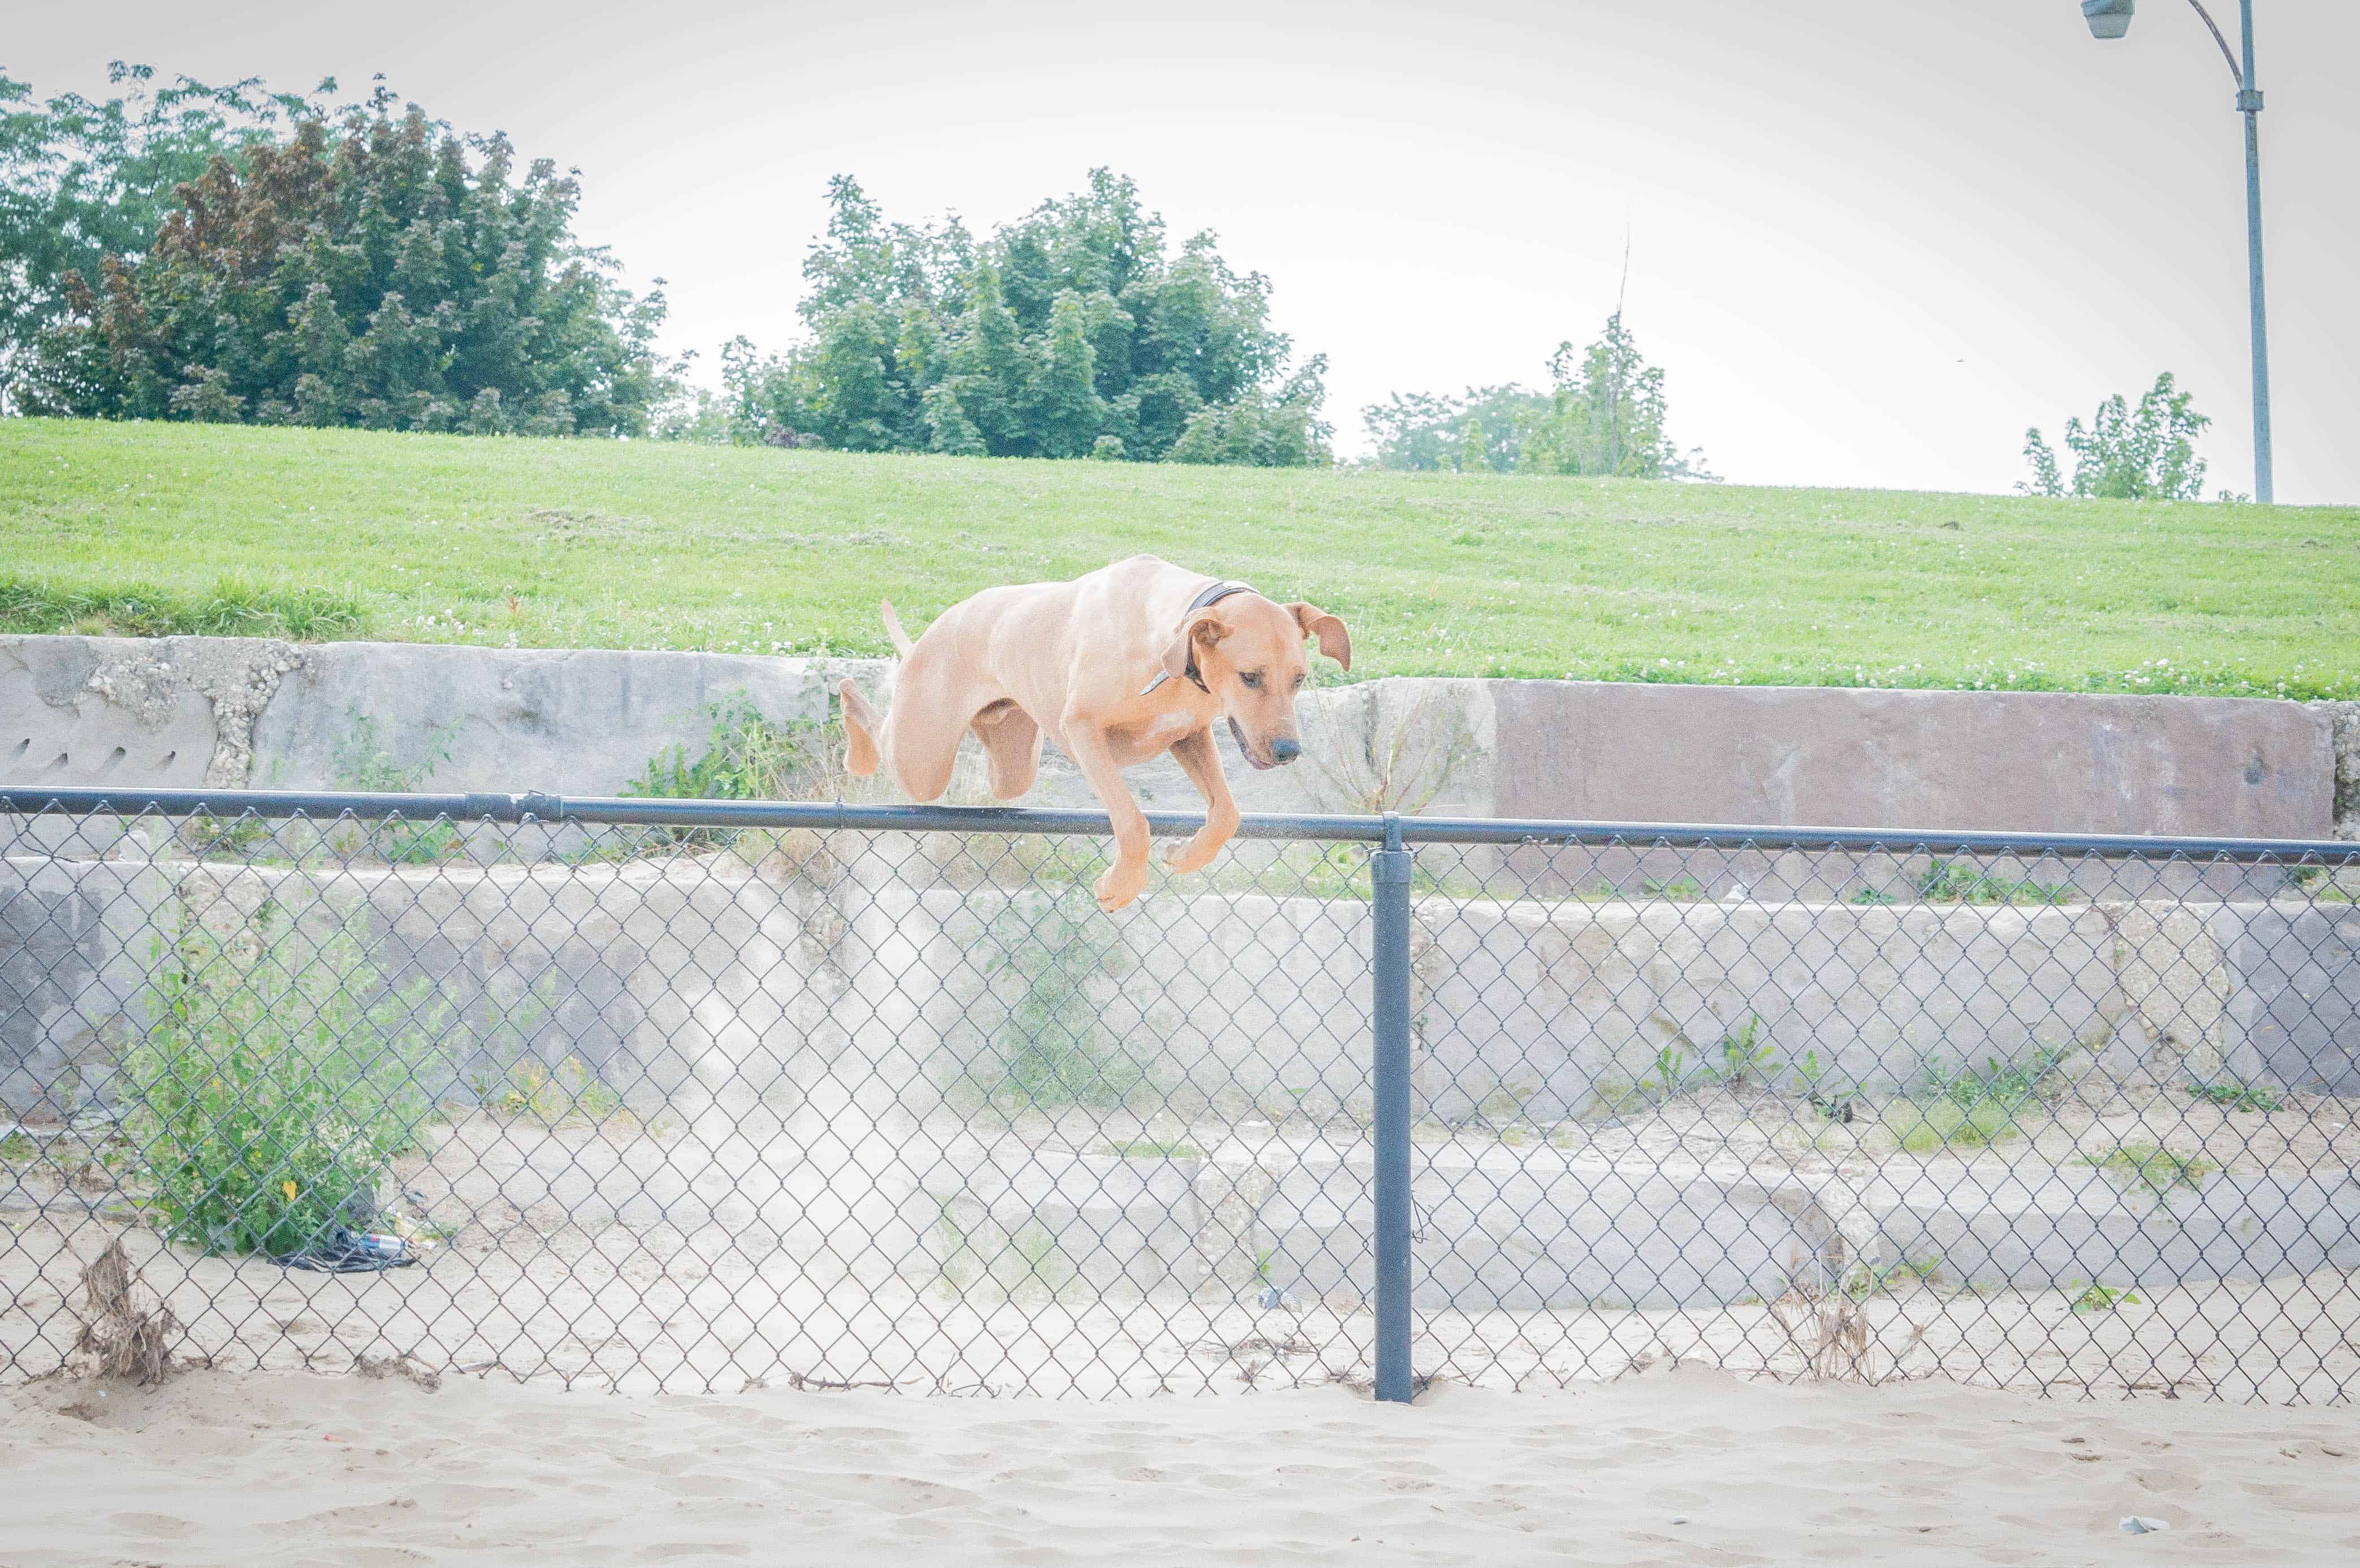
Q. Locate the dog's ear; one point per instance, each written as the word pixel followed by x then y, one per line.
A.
pixel 1334 640
pixel 1205 627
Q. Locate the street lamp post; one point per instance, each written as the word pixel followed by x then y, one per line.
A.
pixel 2112 19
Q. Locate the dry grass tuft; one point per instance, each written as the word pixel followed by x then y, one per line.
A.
pixel 1836 1338
pixel 403 1366
pixel 126 1338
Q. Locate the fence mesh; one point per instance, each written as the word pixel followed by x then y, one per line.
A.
pixel 681 1104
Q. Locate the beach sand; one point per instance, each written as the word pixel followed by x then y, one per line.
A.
pixel 1672 1465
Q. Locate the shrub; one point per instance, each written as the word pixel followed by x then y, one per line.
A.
pixel 1051 1047
pixel 746 757
pixel 271 1091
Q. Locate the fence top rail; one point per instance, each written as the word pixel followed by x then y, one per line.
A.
pixel 30 800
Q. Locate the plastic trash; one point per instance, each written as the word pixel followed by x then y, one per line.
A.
pixel 1271 1298
pixel 342 1251
pixel 2134 1524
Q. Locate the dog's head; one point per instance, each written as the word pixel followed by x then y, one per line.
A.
pixel 1249 653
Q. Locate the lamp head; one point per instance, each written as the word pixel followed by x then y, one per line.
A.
pixel 2108 19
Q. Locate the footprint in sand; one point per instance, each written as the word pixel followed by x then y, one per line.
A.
pixel 152 1526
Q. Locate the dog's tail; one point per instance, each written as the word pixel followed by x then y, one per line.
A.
pixel 893 628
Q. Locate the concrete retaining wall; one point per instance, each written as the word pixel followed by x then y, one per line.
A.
pixel 185 712
pixel 686 978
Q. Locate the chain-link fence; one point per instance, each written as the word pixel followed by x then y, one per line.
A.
pixel 696 1094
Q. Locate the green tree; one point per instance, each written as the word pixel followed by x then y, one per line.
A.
pixel 373 270
pixel 1606 415
pixel 1070 332
pixel 85 182
pixel 2143 453
pixel 1474 451
pixel 1422 430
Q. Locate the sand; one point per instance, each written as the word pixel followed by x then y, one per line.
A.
pixel 1673 1465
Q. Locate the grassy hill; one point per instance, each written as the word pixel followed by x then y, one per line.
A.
pixel 158 528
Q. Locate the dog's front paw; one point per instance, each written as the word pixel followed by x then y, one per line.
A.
pixel 1189 855
pixel 1120 883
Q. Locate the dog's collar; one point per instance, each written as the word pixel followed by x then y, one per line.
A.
pixel 1211 596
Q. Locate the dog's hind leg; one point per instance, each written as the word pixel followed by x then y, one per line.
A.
pixel 1012 748
pixel 861 728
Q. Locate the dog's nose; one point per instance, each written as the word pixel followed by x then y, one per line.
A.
pixel 1285 751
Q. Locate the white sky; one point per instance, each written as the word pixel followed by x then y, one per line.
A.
pixel 1871 241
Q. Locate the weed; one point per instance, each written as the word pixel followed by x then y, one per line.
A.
pixel 1613 1096
pixel 363 762
pixel 2013 1085
pixel 1930 1126
pixel 1950 881
pixel 530 1089
pixel 17 1148
pixel 1864 1279
pixel 1740 1057
pixel 2238 1096
pixel 1334 870
pixel 268 1098
pixel 2157 1169
pixel 1400 765
pixel 1053 1048
pixel 1685 889
pixel 1832 1104
pixel 1869 896
pixel 1152 1148
pixel 746 757
pixel 234 836
pixel 2101 1298
pixel 983 1256
pixel 1971 1108
pixel 1671 1069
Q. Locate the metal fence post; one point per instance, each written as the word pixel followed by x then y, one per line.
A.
pixel 1389 869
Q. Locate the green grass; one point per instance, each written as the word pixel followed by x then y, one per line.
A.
pixel 154 527
pixel 1152 1148
pixel 2157 1169
pixel 1933 1126
pixel 1950 881
pixel 2236 1096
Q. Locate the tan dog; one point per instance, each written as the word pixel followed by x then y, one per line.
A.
pixel 1117 667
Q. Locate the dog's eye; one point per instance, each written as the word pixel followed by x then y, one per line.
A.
pixel 1251 677
pixel 1299 683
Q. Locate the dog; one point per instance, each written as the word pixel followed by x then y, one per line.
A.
pixel 1118 667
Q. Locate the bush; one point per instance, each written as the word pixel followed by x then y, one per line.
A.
pixel 1053 1048
pixel 270 1093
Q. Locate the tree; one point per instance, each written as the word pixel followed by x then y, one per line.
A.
pixel 2149 454
pixel 81 183
pixel 1606 415
pixel 376 271
pixel 1474 451
pixel 1071 333
pixel 1423 431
